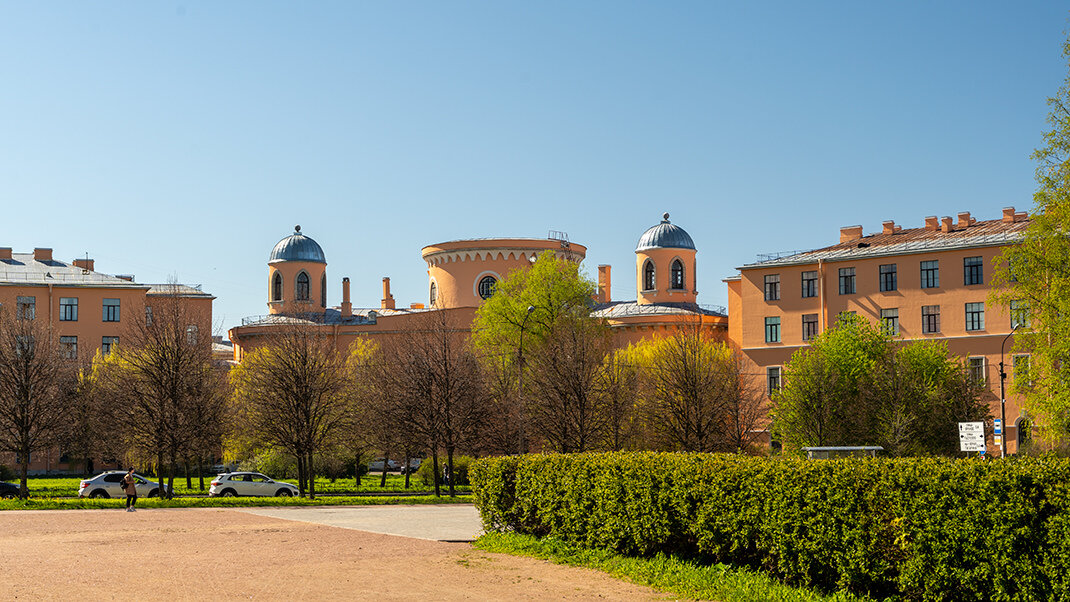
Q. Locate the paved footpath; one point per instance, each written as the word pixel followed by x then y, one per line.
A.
pixel 437 522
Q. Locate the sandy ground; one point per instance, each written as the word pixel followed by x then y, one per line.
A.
pixel 196 554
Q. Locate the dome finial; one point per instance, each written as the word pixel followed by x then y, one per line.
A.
pixel 297 229
pixel 665 217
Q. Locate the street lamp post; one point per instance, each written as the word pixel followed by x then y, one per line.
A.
pixel 1003 396
pixel 520 381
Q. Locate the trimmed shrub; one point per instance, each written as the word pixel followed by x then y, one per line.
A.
pixel 918 529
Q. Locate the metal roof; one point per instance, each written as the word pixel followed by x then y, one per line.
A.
pixel 180 290
pixel 988 233
pixel 628 309
pixel 665 236
pixel 297 247
pixel 23 269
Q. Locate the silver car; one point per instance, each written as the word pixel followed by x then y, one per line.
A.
pixel 110 484
pixel 233 484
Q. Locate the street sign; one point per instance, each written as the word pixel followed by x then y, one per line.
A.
pixel 998 440
pixel 997 426
pixel 972 436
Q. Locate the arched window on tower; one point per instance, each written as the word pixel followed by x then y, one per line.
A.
pixel 323 291
pixel 648 275
pixel 302 287
pixel 276 287
pixel 486 287
pixel 434 294
pixel 677 272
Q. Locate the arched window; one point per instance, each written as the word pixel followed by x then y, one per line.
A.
pixel 323 291
pixel 677 273
pixel 434 294
pixel 302 287
pixel 486 286
pixel 648 275
pixel 276 287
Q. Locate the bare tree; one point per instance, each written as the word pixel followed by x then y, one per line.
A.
pixel 33 406
pixel 696 394
pixel 618 390
pixel 432 384
pixel 563 377
pixel 164 387
pixel 293 393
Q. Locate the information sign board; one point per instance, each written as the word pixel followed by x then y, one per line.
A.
pixel 997 426
pixel 972 436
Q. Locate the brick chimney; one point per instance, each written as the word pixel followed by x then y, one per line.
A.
pixel 42 254
pixel 947 224
pixel 1021 216
pixel 1008 215
pixel 347 307
pixel 849 233
pixel 5 252
pixel 888 227
pixel 964 219
pixel 416 306
pixel 387 301
pixel 604 284
pixel 85 264
pixel 932 223
pixel 126 277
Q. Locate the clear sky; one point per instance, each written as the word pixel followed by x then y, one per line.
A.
pixel 185 139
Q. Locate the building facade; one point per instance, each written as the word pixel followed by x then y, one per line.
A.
pixel 931 282
pixel 88 311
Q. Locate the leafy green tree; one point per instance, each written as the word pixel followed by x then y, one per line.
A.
pixel 1036 273
pixel 855 385
pixel 545 305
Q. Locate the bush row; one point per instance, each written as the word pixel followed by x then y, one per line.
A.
pixel 919 529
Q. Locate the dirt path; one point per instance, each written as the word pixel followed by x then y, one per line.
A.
pixel 196 554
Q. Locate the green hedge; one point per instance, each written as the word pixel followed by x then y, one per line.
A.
pixel 920 529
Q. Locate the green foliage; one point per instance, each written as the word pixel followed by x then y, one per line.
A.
pixel 461 465
pixel 678 576
pixel 918 529
pixel 553 287
pixel 854 385
pixel 1034 273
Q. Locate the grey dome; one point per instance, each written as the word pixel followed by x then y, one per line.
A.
pixel 665 236
pixel 297 247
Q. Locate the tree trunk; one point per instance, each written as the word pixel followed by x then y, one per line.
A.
pixel 159 471
pixel 434 467
pixel 407 468
pixel 185 465
pixel 453 475
pixel 170 493
pixel 301 475
pixel 24 470
pixel 200 471
pixel 382 480
pixel 311 478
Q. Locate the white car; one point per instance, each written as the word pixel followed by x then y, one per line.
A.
pixel 377 465
pixel 110 484
pixel 233 484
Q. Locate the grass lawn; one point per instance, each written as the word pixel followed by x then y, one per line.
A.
pixel 41 503
pixel 665 573
pixel 52 487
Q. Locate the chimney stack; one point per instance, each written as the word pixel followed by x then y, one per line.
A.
pixel 947 224
pixel 932 223
pixel 85 264
pixel 347 307
pixel 1008 215
pixel 604 287
pixel 849 233
pixel 964 219
pixel 388 300
pixel 5 252
pixel 888 227
pixel 41 254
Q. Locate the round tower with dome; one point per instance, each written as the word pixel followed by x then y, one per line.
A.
pixel 297 276
pixel 665 265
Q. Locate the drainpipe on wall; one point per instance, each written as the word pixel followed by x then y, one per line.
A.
pixel 821 292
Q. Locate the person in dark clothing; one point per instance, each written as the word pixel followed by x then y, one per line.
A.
pixel 130 487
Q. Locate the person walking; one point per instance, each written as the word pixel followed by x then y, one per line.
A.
pixel 130 487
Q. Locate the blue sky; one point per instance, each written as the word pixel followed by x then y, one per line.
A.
pixel 186 139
